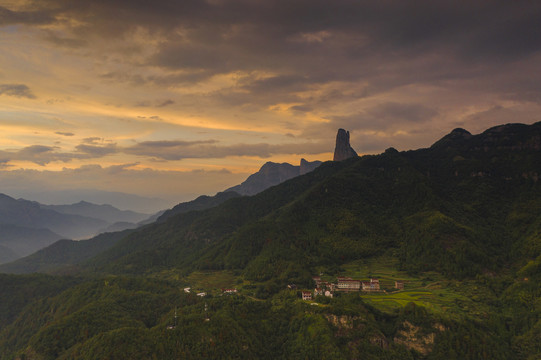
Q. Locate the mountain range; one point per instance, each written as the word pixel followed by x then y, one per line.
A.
pixel 27 226
pixel 459 223
pixel 82 220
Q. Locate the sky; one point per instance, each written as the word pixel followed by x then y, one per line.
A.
pixel 170 99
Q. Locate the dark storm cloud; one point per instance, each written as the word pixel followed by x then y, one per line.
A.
pixel 64 41
pixel 9 17
pixel 241 29
pixel 17 90
pixel 392 111
pixel 300 45
pixel 493 24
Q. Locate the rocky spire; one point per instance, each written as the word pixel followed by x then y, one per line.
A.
pixel 343 150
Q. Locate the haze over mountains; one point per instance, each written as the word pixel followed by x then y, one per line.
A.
pixel 31 226
pixel 27 226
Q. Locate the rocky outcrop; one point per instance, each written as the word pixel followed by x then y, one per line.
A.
pixel 342 322
pixel 308 166
pixel 272 174
pixel 343 149
pixel 413 337
pixel 269 175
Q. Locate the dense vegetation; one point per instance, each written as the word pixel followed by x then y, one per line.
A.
pixel 460 221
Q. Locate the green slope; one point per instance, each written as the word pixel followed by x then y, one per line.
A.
pixel 63 256
pixel 450 208
pixel 460 222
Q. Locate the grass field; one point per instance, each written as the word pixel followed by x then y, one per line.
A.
pixel 211 281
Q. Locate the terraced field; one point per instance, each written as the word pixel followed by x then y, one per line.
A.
pixel 452 299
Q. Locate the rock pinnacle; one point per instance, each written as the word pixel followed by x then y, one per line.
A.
pixel 343 149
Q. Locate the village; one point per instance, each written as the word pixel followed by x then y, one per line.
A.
pixel 344 284
pixel 324 288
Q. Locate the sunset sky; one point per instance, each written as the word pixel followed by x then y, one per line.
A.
pixel 174 99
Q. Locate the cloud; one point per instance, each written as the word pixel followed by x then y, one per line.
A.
pixel 384 116
pixel 163 150
pixel 95 151
pixel 17 90
pixel 178 150
pixel 42 155
pixel 40 17
pixel 176 186
pixel 383 45
pixel 157 103
pixel 38 154
pixel 64 133
pixel 165 103
pixel 68 42
pixel 303 66
pixel 92 140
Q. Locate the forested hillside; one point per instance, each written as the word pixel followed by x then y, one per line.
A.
pixel 458 223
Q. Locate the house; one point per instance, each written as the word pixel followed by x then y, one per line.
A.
pixel 292 286
pixel 318 291
pixel 331 287
pixel 307 295
pixel 317 280
pixel 229 291
pixel 399 284
pixel 187 290
pixel 202 294
pixel 328 294
pixel 348 284
pixel 372 285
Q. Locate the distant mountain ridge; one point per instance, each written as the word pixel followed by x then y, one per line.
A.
pixel 30 214
pixel 103 212
pixel 23 241
pixel 27 226
pixel 63 254
pixel 271 174
pixel 67 252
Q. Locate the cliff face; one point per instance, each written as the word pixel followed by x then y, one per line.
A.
pixel 272 174
pixel 343 149
pixel 269 175
pixel 308 166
